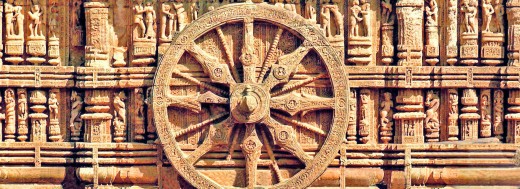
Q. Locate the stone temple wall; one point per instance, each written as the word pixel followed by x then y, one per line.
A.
pixel 259 94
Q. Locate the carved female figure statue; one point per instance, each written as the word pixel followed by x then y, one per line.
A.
pixel 9 17
pixel 34 25
pixel 386 109
pixel 150 20
pixel 76 107
pixel 119 108
pixel 432 103
pixel 499 13
pixel 432 13
pixel 22 107
pixel 488 11
pixel 469 10
pixel 139 102
pixel 365 12
pixel 53 20
pixel 355 18
pixel 10 116
pixel 484 105
pixel 309 11
pixel 386 6
pixel 167 20
pixel 325 21
pixel 53 106
pixel 140 28
pixel 180 14
pixel 18 18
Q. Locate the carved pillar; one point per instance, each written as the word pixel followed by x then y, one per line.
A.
pixel 10 115
pixel 99 34
pixel 97 119
pixel 38 118
pixel 431 47
pixel 485 113
pixel 410 35
pixel 387 33
pixel 138 114
pixel 352 130
pixel 469 118
pixel 386 117
pixel 452 50
pixel 453 114
pixel 431 122
pixel 54 112
pixel 513 117
pixel 498 114
pixel 469 32
pixel 410 117
pixel 359 35
pixel 150 126
pixel 144 38
pixel 14 32
pixel 513 21
pixel 36 44
pixel 22 113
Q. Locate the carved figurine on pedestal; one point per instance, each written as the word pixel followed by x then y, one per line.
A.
pixel 325 21
pixel 364 120
pixel 180 14
pixel 167 21
pixel 139 115
pixel 144 46
pixel 359 43
pixel 355 18
pixel 194 9
pixel 54 124
pixel 150 18
pixel 499 14
pixel 119 117
pixel 432 33
pixel 469 37
pixel 451 41
pixel 485 114
pixel 387 33
pixel 36 45
pixel 386 115
pixel 453 115
pixel 139 28
pixel 432 117
pixel 75 116
pixel 310 10
pixel 488 11
pixel 35 24
pixel 54 41
pixel 493 35
pixel 22 112
pixel 14 44
pixel 10 116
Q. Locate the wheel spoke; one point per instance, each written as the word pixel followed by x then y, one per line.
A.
pixel 274 165
pixel 198 126
pixel 299 102
pixel 229 55
pixel 286 66
pixel 218 135
pixel 218 73
pixel 248 57
pixel 296 85
pixel 193 102
pixel 301 124
pixel 269 59
pixel 251 147
pixel 199 83
pixel 285 137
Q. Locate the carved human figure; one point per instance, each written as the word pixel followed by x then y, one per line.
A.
pixel 150 20
pixel 469 10
pixel 34 26
pixel 167 20
pixel 139 28
pixel 19 18
pixel 194 8
pixel 387 8
pixel 386 109
pixel 75 114
pixel 365 12
pixel 454 104
pixel 355 18
pixel 325 21
pixel 364 111
pixel 432 13
pixel 499 13
pixel 484 105
pixel 10 116
pixel 53 20
pixel 432 105
pixel 22 106
pixel 139 102
pixel 309 10
pixel 9 17
pixel 53 106
pixel 180 14
pixel 487 11
pixel 120 108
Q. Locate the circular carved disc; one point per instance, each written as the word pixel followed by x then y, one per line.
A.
pixel 254 90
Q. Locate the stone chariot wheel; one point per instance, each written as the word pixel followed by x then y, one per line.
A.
pixel 250 95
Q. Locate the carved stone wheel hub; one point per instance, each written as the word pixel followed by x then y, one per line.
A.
pixel 257 79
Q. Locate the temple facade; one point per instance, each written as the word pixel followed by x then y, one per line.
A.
pixel 259 93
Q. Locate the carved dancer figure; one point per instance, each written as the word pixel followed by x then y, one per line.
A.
pixel 488 11
pixel 34 25
pixel 167 20
pixel 150 20
pixel 355 18
pixel 75 115
pixel 139 28
pixel 53 106
pixel 469 9
pixel 432 13
pixel 386 6
pixel 309 10
pixel 499 13
pixel 325 21
pixel 386 109
pixel 432 103
pixel 119 116
pixel 180 14
pixel 194 10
